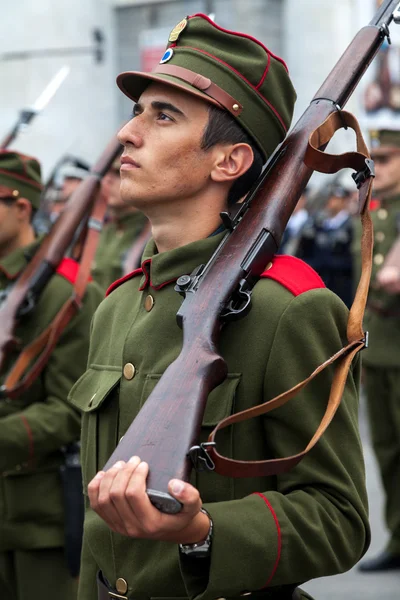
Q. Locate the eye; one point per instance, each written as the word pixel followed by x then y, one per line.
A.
pixel 164 117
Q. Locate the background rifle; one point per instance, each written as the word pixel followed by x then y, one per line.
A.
pixel 26 291
pixel 168 425
pixel 26 115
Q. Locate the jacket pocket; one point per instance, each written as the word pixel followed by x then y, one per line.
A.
pixel 220 404
pixel 96 395
pixel 34 496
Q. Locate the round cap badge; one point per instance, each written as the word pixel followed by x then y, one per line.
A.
pixel 168 54
pixel 177 30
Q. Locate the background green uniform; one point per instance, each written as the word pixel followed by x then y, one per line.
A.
pixel 268 532
pixel 382 368
pixel 33 428
pixel 116 240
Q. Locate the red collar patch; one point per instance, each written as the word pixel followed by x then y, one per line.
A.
pixel 117 283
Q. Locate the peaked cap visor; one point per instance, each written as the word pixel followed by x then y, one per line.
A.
pixel 134 83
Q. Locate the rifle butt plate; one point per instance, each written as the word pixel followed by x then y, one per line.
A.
pixel 164 502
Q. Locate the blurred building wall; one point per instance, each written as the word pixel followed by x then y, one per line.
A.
pixel 309 34
pixel 82 115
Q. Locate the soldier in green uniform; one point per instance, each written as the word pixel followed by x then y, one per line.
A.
pixel 382 359
pixel 205 121
pixel 125 225
pixel 36 426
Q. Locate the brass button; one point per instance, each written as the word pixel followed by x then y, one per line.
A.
pixel 236 107
pixel 129 371
pixel 380 236
pixel 149 303
pixel 121 586
pixel 382 214
pixel 379 259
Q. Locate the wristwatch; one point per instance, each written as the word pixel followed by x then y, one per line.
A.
pixel 199 549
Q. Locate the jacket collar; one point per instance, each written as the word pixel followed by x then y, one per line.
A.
pixel 161 269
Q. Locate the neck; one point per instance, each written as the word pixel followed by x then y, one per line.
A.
pixel 118 212
pixel 185 222
pixel 24 237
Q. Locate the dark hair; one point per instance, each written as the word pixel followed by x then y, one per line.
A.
pixel 223 129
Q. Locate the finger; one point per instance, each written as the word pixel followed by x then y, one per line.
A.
pixel 119 497
pixel 93 493
pixel 147 515
pixel 188 495
pixel 104 505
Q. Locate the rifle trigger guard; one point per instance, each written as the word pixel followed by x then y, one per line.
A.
pixel 200 458
pixel 240 303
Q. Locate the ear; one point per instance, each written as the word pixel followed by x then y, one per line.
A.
pixel 232 162
pixel 24 209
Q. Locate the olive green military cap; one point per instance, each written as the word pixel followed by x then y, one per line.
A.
pixel 384 141
pixel 21 174
pixel 231 70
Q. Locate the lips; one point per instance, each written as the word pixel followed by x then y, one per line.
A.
pixel 128 163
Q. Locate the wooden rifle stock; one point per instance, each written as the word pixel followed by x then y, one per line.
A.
pixel 168 425
pixel 24 294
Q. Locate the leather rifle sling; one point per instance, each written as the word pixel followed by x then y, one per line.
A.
pixel 325 163
pixel 19 379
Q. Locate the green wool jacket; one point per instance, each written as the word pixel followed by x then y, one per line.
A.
pixel 38 423
pixel 116 239
pixel 268 531
pixel 382 316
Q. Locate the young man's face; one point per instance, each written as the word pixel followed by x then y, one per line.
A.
pixel 387 173
pixel 163 161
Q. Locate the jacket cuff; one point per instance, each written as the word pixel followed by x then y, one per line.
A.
pixel 255 546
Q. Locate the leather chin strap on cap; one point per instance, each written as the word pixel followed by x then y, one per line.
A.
pixel 203 84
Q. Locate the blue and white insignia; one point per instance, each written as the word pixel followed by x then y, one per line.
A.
pixel 168 54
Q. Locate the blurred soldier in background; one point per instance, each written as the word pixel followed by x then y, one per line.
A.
pixel 382 359
pixel 292 233
pixel 36 426
pixel 123 228
pixel 67 179
pixel 325 243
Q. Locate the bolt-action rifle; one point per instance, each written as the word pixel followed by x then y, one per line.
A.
pixel 165 432
pixel 85 204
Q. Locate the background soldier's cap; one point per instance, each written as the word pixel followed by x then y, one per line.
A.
pixel 22 175
pixel 384 141
pixel 231 70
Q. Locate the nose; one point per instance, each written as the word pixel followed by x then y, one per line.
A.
pixel 129 133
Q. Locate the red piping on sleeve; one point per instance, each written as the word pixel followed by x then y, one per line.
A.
pixel 278 528
pixel 30 438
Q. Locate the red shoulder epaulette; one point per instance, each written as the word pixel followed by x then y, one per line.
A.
pixel 294 274
pixel 68 268
pixel 117 283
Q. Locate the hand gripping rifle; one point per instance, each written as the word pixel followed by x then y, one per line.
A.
pixel 86 203
pixel 222 289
